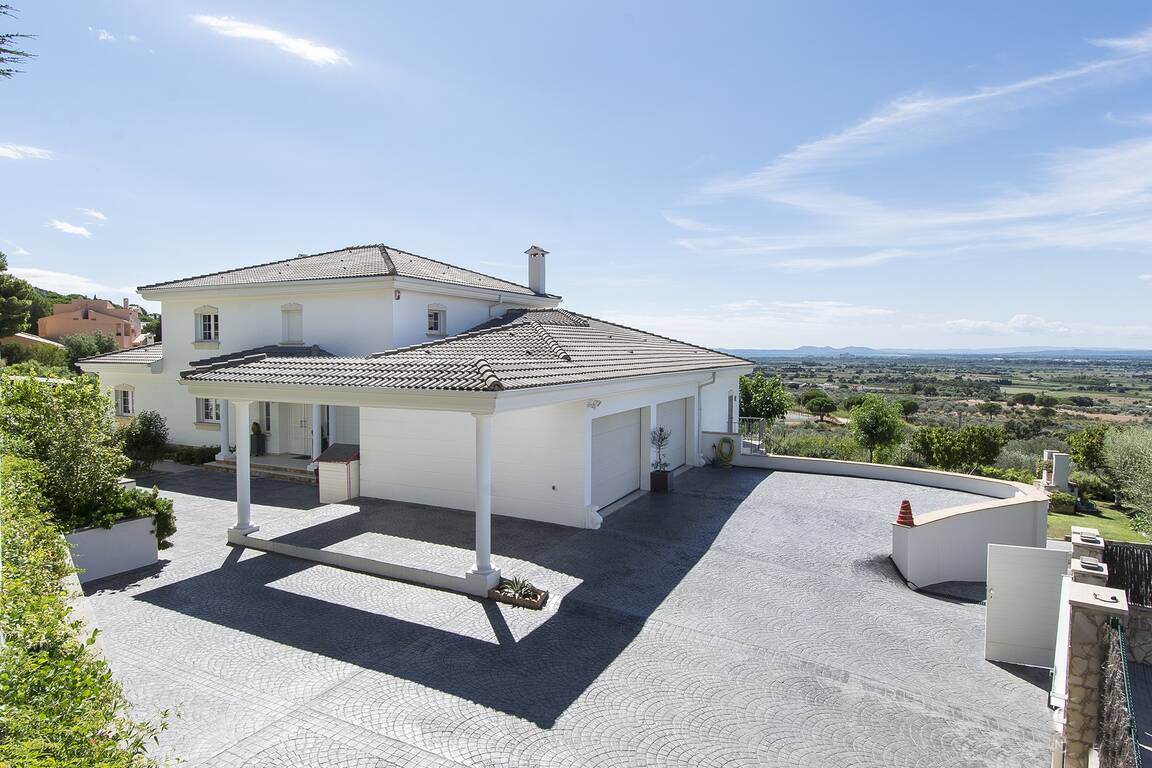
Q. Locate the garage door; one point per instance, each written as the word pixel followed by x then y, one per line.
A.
pixel 673 417
pixel 615 456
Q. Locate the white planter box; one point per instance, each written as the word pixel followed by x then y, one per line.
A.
pixel 101 552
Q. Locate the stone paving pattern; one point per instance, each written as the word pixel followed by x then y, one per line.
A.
pixel 749 619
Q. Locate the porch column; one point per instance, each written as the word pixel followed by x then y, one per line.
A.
pixel 483 493
pixel 317 428
pixel 225 430
pixel 243 469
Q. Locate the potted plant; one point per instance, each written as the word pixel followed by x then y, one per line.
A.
pixel 520 592
pixel 259 440
pixel 661 481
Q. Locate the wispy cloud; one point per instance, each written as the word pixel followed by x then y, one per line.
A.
pixel 103 35
pixel 1036 328
pixel 16 250
pixel 1146 278
pixel 93 213
pixel 1017 324
pixel 66 282
pixel 310 51
pixel 69 229
pixel 23 152
pixel 688 224
pixel 820 264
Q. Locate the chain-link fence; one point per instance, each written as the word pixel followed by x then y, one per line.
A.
pixel 1116 728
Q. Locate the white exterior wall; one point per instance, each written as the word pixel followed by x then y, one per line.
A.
pixel 714 402
pixel 428 457
pixel 410 314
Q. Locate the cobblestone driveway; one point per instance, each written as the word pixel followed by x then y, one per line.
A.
pixel 750 619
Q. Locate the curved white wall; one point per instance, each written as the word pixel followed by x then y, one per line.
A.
pixel 946 544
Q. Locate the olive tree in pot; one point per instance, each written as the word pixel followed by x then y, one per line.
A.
pixel 661 481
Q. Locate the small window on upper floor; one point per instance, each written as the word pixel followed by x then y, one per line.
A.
pixel 125 401
pixel 207 324
pixel 292 323
pixel 437 320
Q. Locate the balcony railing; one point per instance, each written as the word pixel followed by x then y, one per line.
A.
pixel 753 436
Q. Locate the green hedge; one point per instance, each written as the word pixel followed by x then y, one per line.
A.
pixel 59 705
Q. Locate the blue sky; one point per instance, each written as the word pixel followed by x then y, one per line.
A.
pixel 736 174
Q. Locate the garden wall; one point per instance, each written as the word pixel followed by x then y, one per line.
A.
pixel 101 552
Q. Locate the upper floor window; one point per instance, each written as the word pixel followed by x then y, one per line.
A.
pixel 125 401
pixel 292 322
pixel 437 320
pixel 207 324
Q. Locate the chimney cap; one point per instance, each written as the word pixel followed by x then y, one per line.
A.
pixel 536 251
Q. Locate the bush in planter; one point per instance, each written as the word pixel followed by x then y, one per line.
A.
pixel 68 427
pixel 59 704
pixel 1061 503
pixel 132 503
pixel 146 439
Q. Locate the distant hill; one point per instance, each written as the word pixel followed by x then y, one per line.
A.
pixel 1026 352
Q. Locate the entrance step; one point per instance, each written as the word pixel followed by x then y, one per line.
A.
pixel 291 474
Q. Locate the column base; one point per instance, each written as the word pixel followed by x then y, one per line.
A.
pixel 238 531
pixel 479 582
pixel 225 455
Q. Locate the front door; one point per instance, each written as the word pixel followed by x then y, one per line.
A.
pixel 296 425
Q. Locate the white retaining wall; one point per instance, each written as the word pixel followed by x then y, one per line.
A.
pixel 101 552
pixel 946 544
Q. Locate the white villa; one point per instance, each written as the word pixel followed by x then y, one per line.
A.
pixel 451 387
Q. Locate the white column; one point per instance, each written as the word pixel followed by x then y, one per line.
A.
pixel 331 415
pixel 243 469
pixel 483 493
pixel 317 426
pixel 225 430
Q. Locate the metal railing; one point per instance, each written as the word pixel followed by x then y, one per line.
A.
pixel 753 436
pixel 1116 729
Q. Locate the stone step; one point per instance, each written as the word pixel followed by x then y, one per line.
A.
pixel 290 474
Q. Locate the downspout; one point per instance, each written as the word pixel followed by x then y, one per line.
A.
pixel 700 412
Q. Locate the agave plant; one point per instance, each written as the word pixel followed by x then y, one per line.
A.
pixel 518 587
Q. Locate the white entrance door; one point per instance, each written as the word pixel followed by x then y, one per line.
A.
pixel 673 416
pixel 296 426
pixel 1023 606
pixel 615 456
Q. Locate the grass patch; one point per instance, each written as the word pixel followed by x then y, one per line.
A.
pixel 1111 522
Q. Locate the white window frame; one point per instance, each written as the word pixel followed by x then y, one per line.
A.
pixel 207 324
pixel 125 397
pixel 438 316
pixel 287 313
pixel 207 410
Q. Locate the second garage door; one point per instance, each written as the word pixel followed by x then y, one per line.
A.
pixel 615 456
pixel 673 416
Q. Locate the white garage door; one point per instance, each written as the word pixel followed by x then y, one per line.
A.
pixel 673 417
pixel 615 456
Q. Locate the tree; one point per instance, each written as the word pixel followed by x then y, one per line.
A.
pixel 1087 447
pixel 820 406
pixel 909 407
pixel 763 397
pixel 146 438
pixel 876 423
pixel 16 298
pixel 990 409
pixel 9 53
pixel 852 401
pixel 1024 398
pixel 151 324
pixel 811 393
pixel 1046 400
pixel 83 345
pixel 1128 469
pixel 959 449
pixel 66 426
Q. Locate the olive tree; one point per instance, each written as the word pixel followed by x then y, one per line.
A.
pixel 1128 468
pixel 876 423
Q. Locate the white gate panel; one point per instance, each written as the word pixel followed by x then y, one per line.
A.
pixel 1023 606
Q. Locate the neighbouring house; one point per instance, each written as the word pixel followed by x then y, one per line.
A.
pixel 30 340
pixel 91 316
pixel 454 388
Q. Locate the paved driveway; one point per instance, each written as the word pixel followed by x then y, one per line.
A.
pixel 750 619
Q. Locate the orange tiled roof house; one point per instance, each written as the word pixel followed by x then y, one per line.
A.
pixel 90 316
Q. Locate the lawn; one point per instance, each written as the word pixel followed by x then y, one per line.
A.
pixel 1111 522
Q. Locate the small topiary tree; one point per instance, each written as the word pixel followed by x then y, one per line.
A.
pixel 146 439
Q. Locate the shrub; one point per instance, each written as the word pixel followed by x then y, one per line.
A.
pixel 193 454
pixel 1128 468
pixel 1090 485
pixel 146 439
pixel 53 357
pixel 132 503
pixel 83 345
pixel 876 423
pixel 59 704
pixel 68 428
pixel 909 407
pixel 1061 503
pixel 999 473
pixel 1087 447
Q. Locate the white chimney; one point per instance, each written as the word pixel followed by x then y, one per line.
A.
pixel 536 256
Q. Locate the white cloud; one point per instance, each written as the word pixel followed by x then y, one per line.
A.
pixel 133 38
pixel 1146 277
pixel 1139 43
pixel 308 50
pixel 820 264
pixel 69 229
pixel 1017 324
pixel 23 152
pixel 16 249
pixel 65 282
pixel 93 213
pixel 103 35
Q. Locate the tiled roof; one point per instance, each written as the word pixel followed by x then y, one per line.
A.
pixel 355 261
pixel 521 350
pixel 149 353
pixel 270 350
